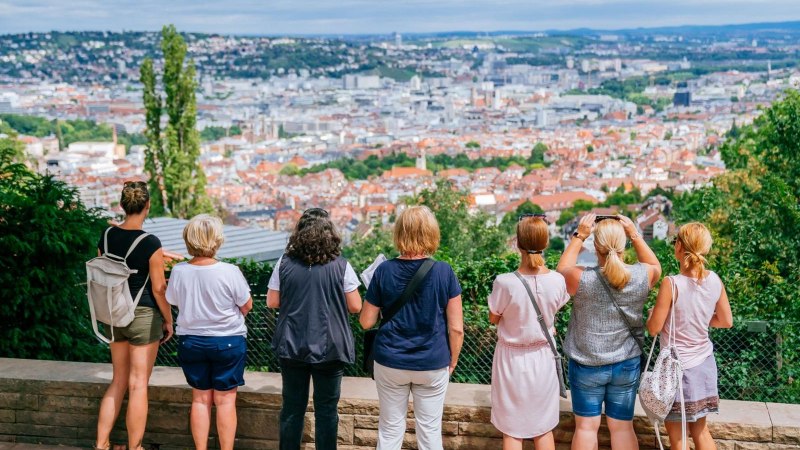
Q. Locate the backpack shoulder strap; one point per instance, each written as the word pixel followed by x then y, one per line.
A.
pixel 105 240
pixel 135 243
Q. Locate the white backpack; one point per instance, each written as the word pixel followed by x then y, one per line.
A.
pixel 107 288
pixel 659 388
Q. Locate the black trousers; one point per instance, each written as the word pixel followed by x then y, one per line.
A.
pixel 327 379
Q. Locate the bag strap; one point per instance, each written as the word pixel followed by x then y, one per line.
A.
pixel 105 240
pixel 135 243
pixel 639 341
pixel 411 287
pixel 545 331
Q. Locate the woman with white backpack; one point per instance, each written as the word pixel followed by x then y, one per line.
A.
pixel 134 347
pixel 700 302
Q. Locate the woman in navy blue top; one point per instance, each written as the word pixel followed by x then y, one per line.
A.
pixel 315 289
pixel 417 350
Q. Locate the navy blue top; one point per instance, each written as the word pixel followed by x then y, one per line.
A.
pixel 416 337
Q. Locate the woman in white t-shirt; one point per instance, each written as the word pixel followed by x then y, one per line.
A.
pixel 213 298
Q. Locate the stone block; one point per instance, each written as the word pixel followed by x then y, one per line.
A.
pixel 366 438
pixel 59 403
pixel 478 429
pixel 44 440
pixel 785 423
pixel 255 444
pixel 358 407
pixel 258 424
pixel 16 400
pixel 366 422
pixel 7 416
pixel 24 429
pixel 56 419
pixel 471 443
pixel 346 429
pixel 742 421
pixel 168 418
pixel 725 445
pixel 449 428
pixel 467 414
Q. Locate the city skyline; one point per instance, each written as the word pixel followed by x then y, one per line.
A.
pixel 380 17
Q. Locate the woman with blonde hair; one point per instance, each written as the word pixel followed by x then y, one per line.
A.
pixel 525 383
pixel 701 303
pixel 417 349
pixel 134 349
pixel 213 299
pixel 605 333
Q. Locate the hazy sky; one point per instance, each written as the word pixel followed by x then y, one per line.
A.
pixel 380 16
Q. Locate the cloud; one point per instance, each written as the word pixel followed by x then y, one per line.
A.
pixel 379 16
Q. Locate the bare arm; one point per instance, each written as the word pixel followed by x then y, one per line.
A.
pixel 644 253
pixel 723 317
pixel 158 285
pixel 273 299
pixel 455 327
pixel 353 299
pixel 494 318
pixel 369 315
pixel 247 307
pixel 568 264
pixel 655 323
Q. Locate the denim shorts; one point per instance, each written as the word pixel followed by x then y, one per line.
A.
pixel 213 362
pixel 612 384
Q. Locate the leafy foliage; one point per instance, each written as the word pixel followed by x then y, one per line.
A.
pixel 46 234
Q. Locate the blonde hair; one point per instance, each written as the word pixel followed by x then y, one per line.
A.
pixel 203 235
pixel 416 231
pixel 609 241
pixel 696 242
pixel 532 237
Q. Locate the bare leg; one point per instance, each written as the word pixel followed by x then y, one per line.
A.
pixel 200 417
pixel 544 442
pixel 622 435
pixel 142 358
pixel 585 437
pixel 115 394
pixel 226 417
pixel 701 435
pixel 512 443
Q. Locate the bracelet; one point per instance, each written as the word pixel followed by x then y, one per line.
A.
pixel 635 236
pixel 576 235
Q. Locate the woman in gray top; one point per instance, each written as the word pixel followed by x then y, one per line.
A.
pixel 607 310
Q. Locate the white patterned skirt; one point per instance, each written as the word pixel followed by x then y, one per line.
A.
pixel 700 393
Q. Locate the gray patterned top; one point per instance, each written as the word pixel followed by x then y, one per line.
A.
pixel 597 335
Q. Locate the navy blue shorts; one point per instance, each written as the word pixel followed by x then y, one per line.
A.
pixel 213 362
pixel 612 385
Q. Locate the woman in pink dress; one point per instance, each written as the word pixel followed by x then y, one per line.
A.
pixel 525 385
pixel 701 303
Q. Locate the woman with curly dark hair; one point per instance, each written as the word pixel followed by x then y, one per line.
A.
pixel 314 289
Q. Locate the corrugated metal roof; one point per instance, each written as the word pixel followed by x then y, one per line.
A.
pixel 240 242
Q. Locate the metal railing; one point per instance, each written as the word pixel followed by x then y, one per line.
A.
pixel 757 361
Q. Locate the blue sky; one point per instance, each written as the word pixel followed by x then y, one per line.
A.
pixel 380 16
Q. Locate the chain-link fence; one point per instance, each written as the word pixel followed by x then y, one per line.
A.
pixel 757 361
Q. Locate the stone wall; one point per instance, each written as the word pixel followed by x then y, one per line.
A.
pixel 56 403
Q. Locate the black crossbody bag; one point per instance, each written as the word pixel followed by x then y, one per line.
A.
pixel 559 360
pixel 638 338
pixel 408 292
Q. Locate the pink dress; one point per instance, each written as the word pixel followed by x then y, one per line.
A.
pixel 524 381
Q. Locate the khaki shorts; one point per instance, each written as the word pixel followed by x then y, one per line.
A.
pixel 145 328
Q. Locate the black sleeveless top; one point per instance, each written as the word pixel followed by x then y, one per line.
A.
pixel 119 241
pixel 313 322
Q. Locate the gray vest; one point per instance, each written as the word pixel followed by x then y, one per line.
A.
pixel 313 322
pixel 597 335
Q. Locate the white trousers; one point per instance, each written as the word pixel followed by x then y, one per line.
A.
pixel 428 388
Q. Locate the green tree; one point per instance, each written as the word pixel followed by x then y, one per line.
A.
pixel 537 154
pixel 473 144
pixel 176 176
pixel 46 234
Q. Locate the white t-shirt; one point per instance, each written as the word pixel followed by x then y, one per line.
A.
pixel 351 282
pixel 208 299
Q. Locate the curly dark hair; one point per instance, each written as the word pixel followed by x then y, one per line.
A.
pixel 315 239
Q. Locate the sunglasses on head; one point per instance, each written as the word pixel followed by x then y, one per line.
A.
pixel 318 212
pixel 673 240
pixel 529 215
pixel 135 184
pixel 602 218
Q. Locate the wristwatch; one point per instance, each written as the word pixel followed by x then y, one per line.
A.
pixel 576 235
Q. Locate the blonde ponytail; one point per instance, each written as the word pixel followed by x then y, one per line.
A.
pixel 609 241
pixel 532 237
pixel 696 242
